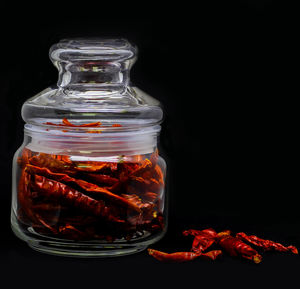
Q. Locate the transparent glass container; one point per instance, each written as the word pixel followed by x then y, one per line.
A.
pixel 88 179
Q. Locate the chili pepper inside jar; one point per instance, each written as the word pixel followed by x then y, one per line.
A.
pixel 88 179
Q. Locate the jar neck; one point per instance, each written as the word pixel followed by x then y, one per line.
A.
pixel 100 76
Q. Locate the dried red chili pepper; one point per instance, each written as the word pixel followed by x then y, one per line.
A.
pixel 137 201
pixel 72 168
pixel 154 158
pixel 52 123
pixel 59 191
pixel 149 184
pixel 91 124
pixel 202 239
pixel 91 166
pixel 173 257
pixel 157 223
pixel 65 122
pixel 146 164
pixel 48 207
pixel 63 158
pixel 209 232
pixel 147 177
pixel 102 179
pixel 266 244
pixel 47 210
pixel 24 198
pixel 97 167
pixel 24 159
pixel 156 171
pixel 44 160
pixel 88 187
pixel 160 174
pixel 182 256
pixel 236 247
pixel 148 212
pixel 125 177
pixel 150 197
pixel 212 255
pixel 53 230
pixel 71 232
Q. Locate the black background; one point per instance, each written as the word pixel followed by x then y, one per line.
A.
pixel 224 73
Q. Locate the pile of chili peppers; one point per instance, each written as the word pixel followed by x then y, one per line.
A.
pixel 90 200
pixel 234 246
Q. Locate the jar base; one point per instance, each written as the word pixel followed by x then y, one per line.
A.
pixel 78 249
pixel 84 251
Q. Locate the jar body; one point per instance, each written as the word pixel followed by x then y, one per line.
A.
pixel 73 202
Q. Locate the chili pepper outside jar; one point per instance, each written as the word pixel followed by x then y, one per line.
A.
pixel 88 180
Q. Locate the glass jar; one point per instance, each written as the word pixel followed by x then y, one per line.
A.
pixel 88 180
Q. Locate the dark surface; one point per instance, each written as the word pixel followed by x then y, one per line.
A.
pixel 224 73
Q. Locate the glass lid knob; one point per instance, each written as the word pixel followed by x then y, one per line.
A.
pixel 93 64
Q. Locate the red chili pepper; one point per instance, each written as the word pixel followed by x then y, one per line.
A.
pixel 202 239
pixel 24 198
pixel 201 243
pixel 63 158
pixel 144 166
pixel 48 207
pixel 154 157
pixel 147 209
pixel 136 200
pixel 266 244
pixel 173 257
pixel 68 167
pixel 158 174
pixel 147 177
pixel 69 196
pixel 24 159
pixel 53 230
pixel 151 184
pixel 71 232
pixel 88 187
pixel 44 160
pixel 182 256
pixel 65 122
pixel 208 232
pixel 92 166
pixel 236 247
pixel 212 255
pixel 150 197
pixel 102 179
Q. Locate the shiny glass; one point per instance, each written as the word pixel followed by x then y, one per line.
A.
pixel 88 179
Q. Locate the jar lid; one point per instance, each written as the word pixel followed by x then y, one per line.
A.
pixel 94 86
